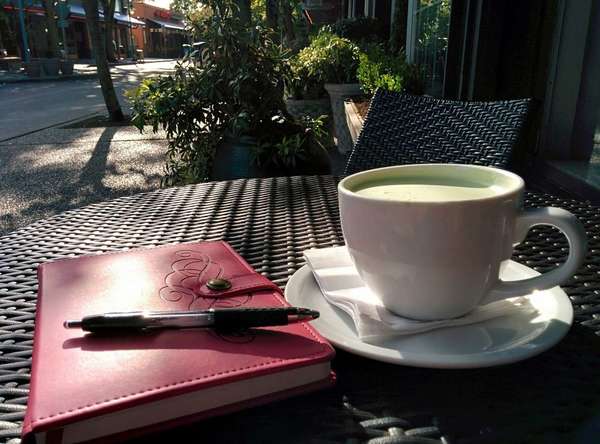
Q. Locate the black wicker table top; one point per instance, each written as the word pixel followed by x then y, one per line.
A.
pixel 551 398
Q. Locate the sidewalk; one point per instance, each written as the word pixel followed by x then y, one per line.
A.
pixel 84 69
pixel 58 169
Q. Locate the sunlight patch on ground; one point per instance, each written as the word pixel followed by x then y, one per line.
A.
pixel 83 166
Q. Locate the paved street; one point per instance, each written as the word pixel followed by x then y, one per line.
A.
pixel 26 107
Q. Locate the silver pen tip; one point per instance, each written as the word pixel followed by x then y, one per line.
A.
pixel 72 324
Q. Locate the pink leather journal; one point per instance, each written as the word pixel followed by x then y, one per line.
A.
pixel 89 388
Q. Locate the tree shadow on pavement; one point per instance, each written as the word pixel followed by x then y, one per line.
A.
pixel 48 189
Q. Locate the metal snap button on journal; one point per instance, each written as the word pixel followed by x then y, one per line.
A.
pixel 219 284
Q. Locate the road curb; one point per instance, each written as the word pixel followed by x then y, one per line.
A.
pixel 59 124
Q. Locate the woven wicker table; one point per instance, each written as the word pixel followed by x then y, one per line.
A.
pixel 550 398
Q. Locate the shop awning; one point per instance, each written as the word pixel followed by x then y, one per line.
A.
pixel 76 10
pixel 127 19
pixel 169 25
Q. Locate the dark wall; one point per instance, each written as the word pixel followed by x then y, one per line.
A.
pixel 499 49
pixel 359 8
pixel 524 49
pixel 383 11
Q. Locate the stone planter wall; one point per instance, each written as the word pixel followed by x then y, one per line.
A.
pixel 233 160
pixel 337 94
pixel 354 120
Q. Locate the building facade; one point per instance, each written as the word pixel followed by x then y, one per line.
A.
pixel 164 33
pixel 34 18
pixel 73 34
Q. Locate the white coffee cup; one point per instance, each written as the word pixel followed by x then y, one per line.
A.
pixel 431 257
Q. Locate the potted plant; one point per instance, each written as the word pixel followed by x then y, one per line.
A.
pixel 305 92
pixel 381 69
pixel 292 147
pixel 232 99
pixel 334 61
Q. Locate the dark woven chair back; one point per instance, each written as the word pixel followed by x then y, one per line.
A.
pixel 403 129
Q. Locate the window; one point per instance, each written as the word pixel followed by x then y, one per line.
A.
pixel 570 133
pixel 427 39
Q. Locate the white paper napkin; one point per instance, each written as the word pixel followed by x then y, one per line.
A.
pixel 341 286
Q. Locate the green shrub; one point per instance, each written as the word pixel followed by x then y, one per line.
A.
pixel 328 59
pixel 287 144
pixel 235 87
pixel 380 69
pixel 181 105
pixel 302 83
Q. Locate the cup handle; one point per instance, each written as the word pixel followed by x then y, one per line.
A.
pixel 575 233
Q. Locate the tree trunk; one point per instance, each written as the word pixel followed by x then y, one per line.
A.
pixel 52 33
pixel 398 30
pixel 245 14
pixel 108 90
pixel 286 18
pixel 272 14
pixel 109 25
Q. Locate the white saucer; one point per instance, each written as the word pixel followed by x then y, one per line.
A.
pixel 502 340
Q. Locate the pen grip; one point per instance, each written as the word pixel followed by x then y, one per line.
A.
pixel 111 322
pixel 235 319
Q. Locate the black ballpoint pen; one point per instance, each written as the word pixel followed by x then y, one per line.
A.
pixel 216 318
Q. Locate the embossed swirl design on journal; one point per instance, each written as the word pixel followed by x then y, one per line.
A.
pixel 190 270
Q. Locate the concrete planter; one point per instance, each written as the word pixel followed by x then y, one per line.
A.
pixel 310 108
pixel 33 68
pixel 50 67
pixel 66 67
pixel 233 160
pixel 338 92
pixel 354 120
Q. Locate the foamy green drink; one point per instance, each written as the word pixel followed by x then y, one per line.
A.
pixel 427 189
